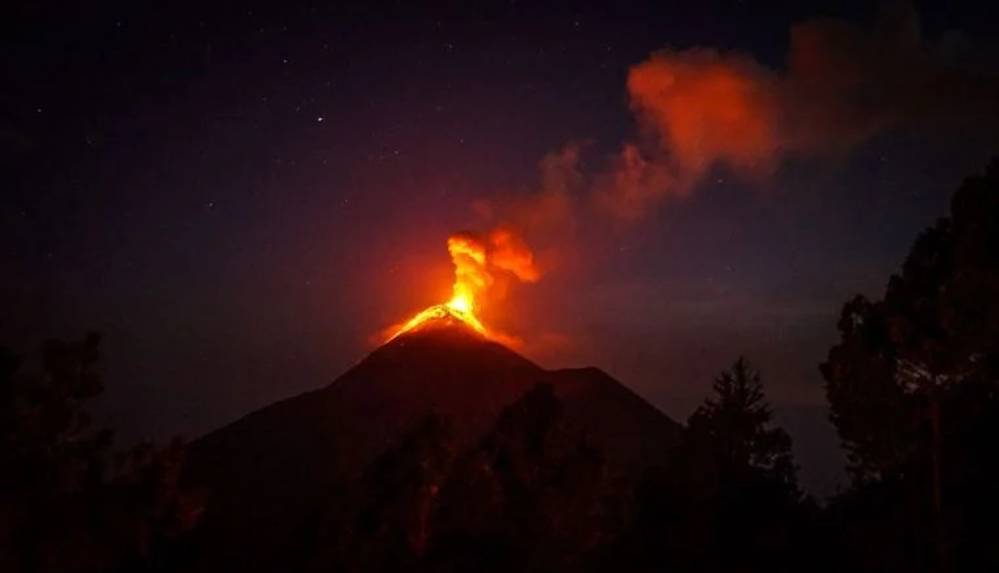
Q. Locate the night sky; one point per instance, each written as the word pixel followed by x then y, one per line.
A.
pixel 241 198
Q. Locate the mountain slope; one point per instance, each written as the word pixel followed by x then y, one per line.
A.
pixel 275 474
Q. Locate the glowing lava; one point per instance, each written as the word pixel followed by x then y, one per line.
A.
pixel 477 266
pixel 442 312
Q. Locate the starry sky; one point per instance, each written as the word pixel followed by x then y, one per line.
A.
pixel 241 197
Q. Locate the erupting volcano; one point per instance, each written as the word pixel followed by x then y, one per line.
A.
pixel 479 268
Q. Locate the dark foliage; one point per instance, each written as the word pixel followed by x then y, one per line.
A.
pixel 914 390
pixel 729 500
pixel 735 427
pixel 67 503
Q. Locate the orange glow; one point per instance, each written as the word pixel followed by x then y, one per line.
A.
pixel 708 107
pixel 478 266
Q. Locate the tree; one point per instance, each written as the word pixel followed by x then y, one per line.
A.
pixel 915 376
pixel 729 500
pixel 66 503
pixel 736 426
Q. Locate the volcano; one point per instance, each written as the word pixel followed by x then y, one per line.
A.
pixel 364 468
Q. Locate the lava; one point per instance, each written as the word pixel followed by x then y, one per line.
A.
pixel 442 312
pixel 478 266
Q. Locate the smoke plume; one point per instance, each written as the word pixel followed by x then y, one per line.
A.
pixel 843 84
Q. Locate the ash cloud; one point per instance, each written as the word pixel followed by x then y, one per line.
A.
pixel 842 85
pixel 697 108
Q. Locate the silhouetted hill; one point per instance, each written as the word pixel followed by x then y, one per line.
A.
pixel 284 484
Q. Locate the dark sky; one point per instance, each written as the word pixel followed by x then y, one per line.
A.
pixel 241 197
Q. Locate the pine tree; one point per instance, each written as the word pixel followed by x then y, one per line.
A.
pixel 736 426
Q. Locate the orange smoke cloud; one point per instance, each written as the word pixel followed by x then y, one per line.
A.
pixel 843 85
pixel 482 266
pixel 510 253
pixel 707 108
pixel 702 108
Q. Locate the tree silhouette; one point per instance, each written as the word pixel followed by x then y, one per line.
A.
pixel 736 426
pixel 67 504
pixel 729 499
pixel 914 379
